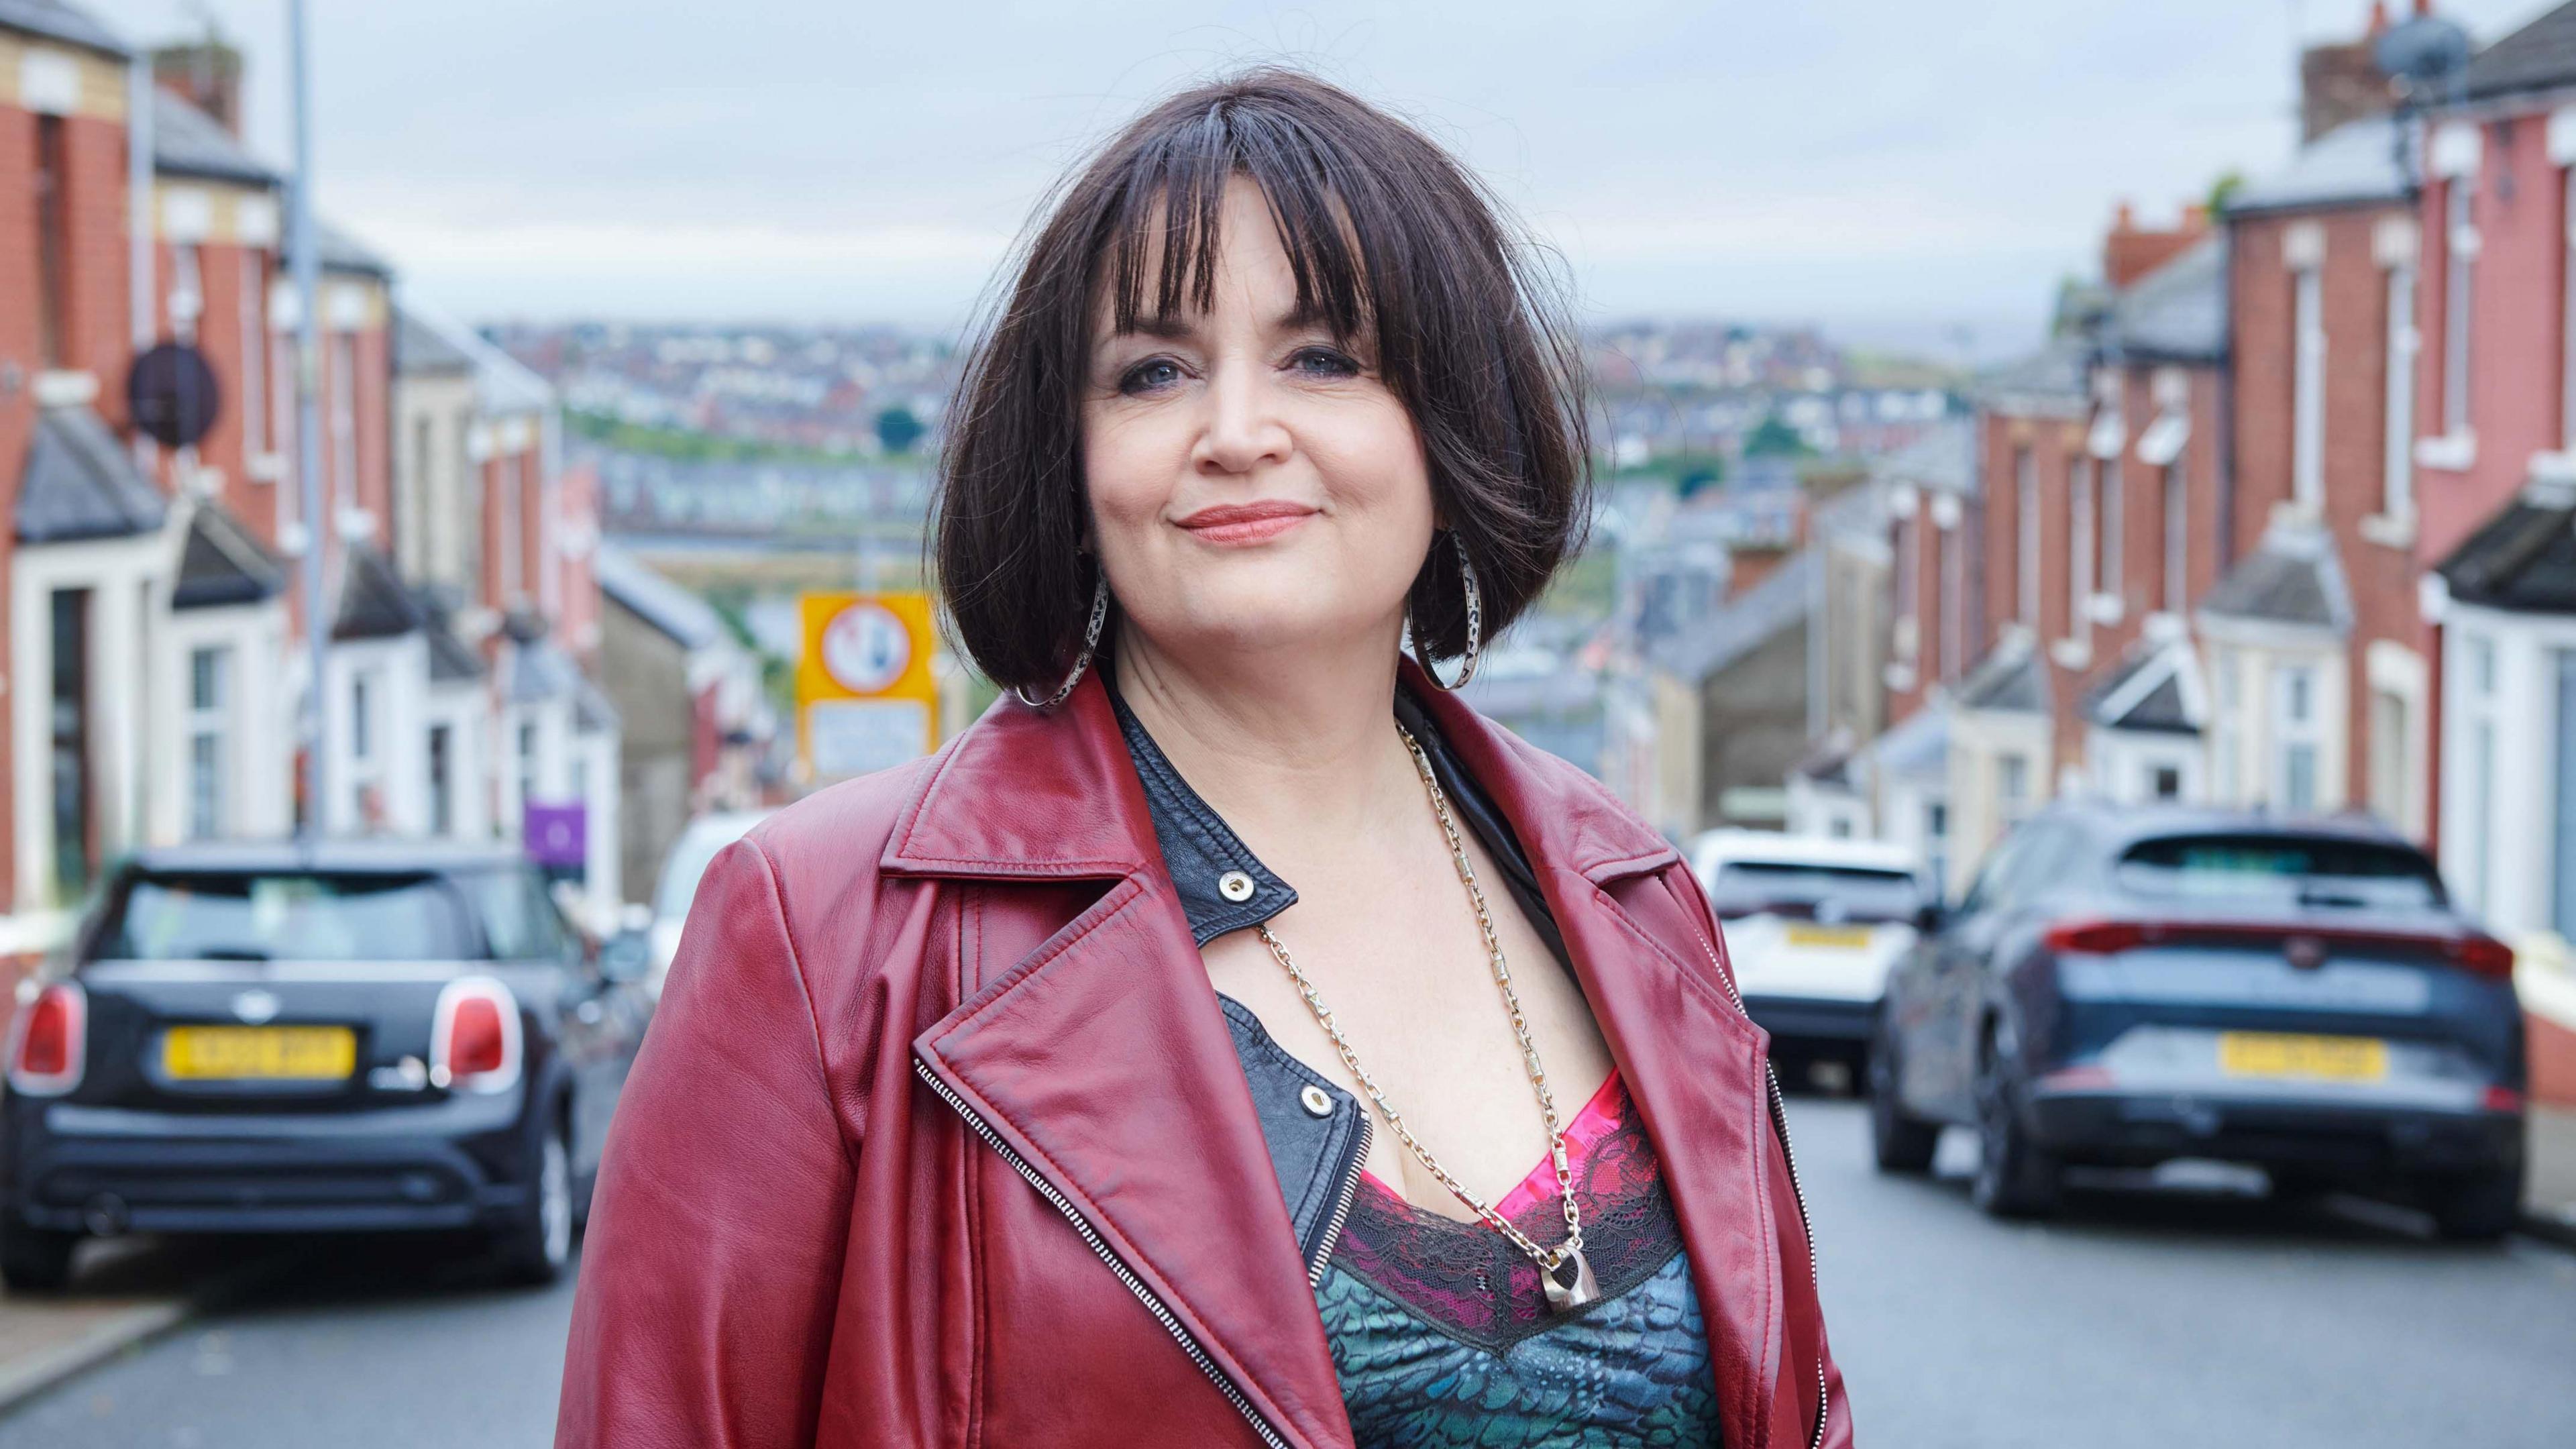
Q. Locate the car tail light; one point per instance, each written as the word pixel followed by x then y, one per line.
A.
pixel 2306 945
pixel 2100 938
pixel 474 1043
pixel 2483 956
pixel 50 1042
pixel 2500 1099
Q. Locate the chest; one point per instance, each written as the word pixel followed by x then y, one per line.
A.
pixel 1405 970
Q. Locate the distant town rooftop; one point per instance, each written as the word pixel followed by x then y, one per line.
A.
pixel 56 20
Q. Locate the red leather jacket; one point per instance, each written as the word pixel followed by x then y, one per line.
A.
pixel 939 1137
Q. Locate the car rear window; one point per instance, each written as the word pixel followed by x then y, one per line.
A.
pixel 2288 870
pixel 1817 892
pixel 286 916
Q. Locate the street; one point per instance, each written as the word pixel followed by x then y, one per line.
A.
pixel 2177 1315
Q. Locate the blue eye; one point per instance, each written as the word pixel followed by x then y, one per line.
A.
pixel 1324 362
pixel 1151 375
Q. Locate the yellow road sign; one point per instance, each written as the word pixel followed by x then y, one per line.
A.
pixel 865 696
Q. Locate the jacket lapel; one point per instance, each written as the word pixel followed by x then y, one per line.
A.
pixel 1692 1061
pixel 1102 1058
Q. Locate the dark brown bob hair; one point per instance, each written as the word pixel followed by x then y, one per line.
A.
pixel 1387 236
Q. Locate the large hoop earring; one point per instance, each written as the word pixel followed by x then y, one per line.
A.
pixel 1475 626
pixel 1081 661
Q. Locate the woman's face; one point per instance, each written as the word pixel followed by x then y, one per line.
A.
pixel 1253 483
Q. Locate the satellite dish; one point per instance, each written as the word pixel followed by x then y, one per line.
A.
pixel 172 395
pixel 2424 51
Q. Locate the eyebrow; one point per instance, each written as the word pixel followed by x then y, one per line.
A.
pixel 1177 327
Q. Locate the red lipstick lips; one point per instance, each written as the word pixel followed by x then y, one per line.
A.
pixel 1246 523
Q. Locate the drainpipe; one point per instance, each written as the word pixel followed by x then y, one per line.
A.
pixel 133 759
pixel 141 232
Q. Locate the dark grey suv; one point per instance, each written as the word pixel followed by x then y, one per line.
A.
pixel 2124 986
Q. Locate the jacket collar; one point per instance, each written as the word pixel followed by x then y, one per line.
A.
pixel 1058 771
pixel 1200 851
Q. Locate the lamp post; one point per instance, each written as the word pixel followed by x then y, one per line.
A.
pixel 308 411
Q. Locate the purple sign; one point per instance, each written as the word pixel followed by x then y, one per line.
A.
pixel 555 834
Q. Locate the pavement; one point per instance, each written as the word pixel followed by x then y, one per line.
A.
pixel 2549 1195
pixel 126 1292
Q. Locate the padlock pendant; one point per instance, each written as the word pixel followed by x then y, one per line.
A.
pixel 1562 1296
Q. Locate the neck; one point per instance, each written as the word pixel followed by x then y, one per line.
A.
pixel 1284 744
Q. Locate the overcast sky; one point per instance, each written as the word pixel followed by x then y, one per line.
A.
pixel 1897 170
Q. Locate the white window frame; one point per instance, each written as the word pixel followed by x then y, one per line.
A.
pixel 2013 803
pixel 209 740
pixel 363 731
pixel 344 420
pixel 1954 614
pixel 1907 568
pixel 2296 730
pixel 2308 390
pixel 2177 553
pixel 186 299
pixel 513 515
pixel 2459 284
pixel 290 498
pixel 2227 725
pixel 2082 543
pixel 2397 482
pixel 2114 504
pixel 2480 688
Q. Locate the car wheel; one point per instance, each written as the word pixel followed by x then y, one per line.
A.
pixel 537 1247
pixel 36 1260
pixel 1898 1141
pixel 2015 1178
pixel 2478 1208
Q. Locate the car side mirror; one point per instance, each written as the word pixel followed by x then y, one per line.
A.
pixel 1930 916
pixel 624 957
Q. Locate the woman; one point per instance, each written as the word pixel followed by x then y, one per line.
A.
pixel 1016 1098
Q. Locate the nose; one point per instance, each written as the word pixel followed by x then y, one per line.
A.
pixel 1243 428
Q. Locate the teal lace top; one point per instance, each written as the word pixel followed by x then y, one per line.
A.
pixel 1442 1337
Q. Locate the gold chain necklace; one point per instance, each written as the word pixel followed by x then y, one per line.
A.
pixel 1561 1294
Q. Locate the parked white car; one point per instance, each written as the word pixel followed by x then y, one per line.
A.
pixel 690 855
pixel 1813 926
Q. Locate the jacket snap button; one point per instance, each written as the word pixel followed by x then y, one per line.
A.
pixel 1316 1102
pixel 1235 886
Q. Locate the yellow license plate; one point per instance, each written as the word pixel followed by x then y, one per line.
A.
pixel 256 1053
pixel 2332 1058
pixel 1840 938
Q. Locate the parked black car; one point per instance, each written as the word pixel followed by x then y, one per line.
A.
pixel 2123 986
pixel 347 1036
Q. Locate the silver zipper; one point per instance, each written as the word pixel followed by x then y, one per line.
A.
pixel 1341 1206
pixel 1100 1246
pixel 1780 1124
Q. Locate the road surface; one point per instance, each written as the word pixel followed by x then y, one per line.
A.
pixel 2154 1318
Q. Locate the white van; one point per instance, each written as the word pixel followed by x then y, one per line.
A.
pixel 1813 926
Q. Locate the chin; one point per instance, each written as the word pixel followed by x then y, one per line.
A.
pixel 1249 620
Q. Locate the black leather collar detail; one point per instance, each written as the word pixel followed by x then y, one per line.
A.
pixel 1309 1153
pixel 1199 848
